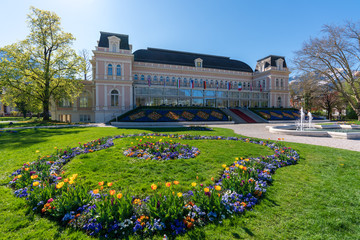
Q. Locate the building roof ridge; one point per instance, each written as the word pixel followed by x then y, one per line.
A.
pixel 184 52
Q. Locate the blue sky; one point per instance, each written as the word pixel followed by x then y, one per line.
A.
pixel 243 30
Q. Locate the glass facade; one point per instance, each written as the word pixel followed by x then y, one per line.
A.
pixel 173 96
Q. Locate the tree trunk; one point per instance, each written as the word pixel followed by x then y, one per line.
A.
pixel 46 112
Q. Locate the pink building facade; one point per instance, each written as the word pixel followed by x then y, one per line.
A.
pixel 123 80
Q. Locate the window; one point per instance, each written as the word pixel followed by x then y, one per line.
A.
pixel 279 101
pixel 114 98
pixel 118 70
pixel 161 79
pixel 282 83
pixel 264 84
pixel 136 77
pixel 84 102
pixel 64 103
pixel 277 82
pixel 173 81
pixel 155 79
pixel 110 70
pixel 114 47
pixel 142 78
pixel 84 118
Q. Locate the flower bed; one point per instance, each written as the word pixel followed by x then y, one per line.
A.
pixel 162 151
pixel 105 212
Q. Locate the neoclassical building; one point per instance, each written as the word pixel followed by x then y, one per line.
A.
pixel 123 79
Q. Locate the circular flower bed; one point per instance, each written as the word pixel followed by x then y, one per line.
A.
pixel 107 213
pixel 162 151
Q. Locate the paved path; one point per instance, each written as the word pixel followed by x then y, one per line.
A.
pixel 260 131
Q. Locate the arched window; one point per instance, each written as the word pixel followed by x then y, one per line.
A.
pixel 136 77
pixel 114 98
pixel 279 101
pixel 148 77
pixel 161 80
pixel 167 80
pixel 110 70
pixel 196 83
pixel 142 78
pixel 185 82
pixel 173 80
pixel 118 70
pixel 155 79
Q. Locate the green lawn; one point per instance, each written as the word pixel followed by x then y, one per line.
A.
pixel 21 122
pixel 315 199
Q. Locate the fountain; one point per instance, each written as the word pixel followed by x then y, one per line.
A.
pixel 305 128
pixel 302 119
pixel 310 118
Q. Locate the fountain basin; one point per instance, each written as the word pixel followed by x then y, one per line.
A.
pixel 334 131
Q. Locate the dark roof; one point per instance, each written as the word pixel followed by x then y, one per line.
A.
pixel 155 55
pixel 104 41
pixel 273 60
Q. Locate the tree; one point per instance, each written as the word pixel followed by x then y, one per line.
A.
pixel 335 55
pixel 43 66
pixel 305 87
pixel 86 65
pixel 328 99
pixel 21 101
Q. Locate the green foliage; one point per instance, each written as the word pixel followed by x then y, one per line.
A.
pixel 166 205
pixel 43 66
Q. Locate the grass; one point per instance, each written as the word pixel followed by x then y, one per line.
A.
pixel 21 122
pixel 315 199
pixel 349 122
pixel 137 175
pixel 11 119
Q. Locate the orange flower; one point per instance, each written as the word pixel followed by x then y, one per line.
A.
pixel 27 169
pixel 112 192
pixel 102 187
pixel 153 186
pixel 59 185
pixel 96 191
pixel 193 184
pixel 101 183
pixel 176 182
pixel 66 180
pixel 168 184
pixel 179 194
pixel 71 181
pixel 212 178
pixel 217 188
pixel 36 184
pixel 119 195
pixel 206 189
pixel 110 184
pixel 34 176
